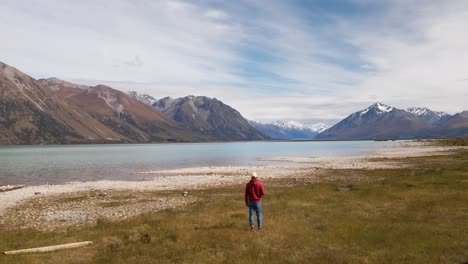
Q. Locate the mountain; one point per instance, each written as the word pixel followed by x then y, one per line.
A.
pixel 52 111
pixel 382 121
pixel 379 121
pixel 428 115
pixel 31 113
pixel 455 126
pixel 208 116
pixel 132 120
pixel 319 127
pixel 289 129
pixel 143 98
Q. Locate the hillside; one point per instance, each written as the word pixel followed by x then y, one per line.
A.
pixel 52 111
pixel 31 113
pixel 207 116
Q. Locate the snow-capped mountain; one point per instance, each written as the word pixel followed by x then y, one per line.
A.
pixel 383 121
pixel 377 108
pixel 428 115
pixel 289 129
pixel 143 98
pixel 319 127
pixel 378 121
pixel 53 111
pixel 422 111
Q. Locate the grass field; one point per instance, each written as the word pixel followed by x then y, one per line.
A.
pixel 417 215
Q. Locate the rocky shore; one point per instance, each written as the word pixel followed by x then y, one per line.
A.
pixel 51 207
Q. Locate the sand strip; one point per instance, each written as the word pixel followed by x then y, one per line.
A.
pixel 204 177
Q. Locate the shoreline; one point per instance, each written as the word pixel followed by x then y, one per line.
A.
pixel 99 193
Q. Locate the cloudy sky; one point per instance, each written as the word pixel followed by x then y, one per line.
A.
pixel 309 61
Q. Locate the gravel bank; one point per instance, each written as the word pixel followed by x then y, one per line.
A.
pixel 80 202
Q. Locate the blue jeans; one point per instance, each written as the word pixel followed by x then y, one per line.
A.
pixel 257 207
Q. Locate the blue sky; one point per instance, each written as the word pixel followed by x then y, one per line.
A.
pixel 307 61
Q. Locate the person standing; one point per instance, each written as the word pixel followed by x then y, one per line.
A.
pixel 253 199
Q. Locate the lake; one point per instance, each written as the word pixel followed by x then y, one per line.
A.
pixel 34 165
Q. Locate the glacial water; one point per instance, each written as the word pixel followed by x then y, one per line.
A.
pixel 66 163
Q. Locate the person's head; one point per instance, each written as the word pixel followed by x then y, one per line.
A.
pixel 254 175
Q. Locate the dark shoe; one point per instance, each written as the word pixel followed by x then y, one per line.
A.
pixel 251 228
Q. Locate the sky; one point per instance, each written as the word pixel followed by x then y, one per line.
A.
pixel 308 61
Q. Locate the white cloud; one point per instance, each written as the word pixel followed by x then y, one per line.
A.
pixel 270 60
pixel 135 62
pixel 422 62
pixel 177 42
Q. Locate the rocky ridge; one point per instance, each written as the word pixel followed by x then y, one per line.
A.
pixel 380 121
pixel 208 116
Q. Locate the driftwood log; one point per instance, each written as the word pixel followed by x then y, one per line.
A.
pixel 8 188
pixel 49 248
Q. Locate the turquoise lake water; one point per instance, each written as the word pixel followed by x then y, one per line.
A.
pixel 66 163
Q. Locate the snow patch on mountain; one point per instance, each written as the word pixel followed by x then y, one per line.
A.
pixel 422 111
pixel 144 98
pixel 318 127
pixel 379 108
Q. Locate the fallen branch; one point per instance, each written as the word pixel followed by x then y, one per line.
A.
pixel 8 188
pixel 49 248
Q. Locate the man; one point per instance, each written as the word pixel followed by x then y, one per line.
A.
pixel 253 199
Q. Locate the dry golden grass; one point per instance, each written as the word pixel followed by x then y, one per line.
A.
pixel 395 216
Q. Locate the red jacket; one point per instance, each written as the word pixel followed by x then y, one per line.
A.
pixel 254 191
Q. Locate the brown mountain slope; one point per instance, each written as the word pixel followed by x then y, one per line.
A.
pixel 56 112
pixel 30 113
pixel 121 113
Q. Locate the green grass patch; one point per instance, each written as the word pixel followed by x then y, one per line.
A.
pixel 403 216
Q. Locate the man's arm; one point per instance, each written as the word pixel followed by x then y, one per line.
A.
pixel 262 190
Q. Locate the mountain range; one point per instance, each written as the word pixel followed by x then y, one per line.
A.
pixel 53 111
pixel 204 115
pixel 289 129
pixel 380 121
pixel 212 117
